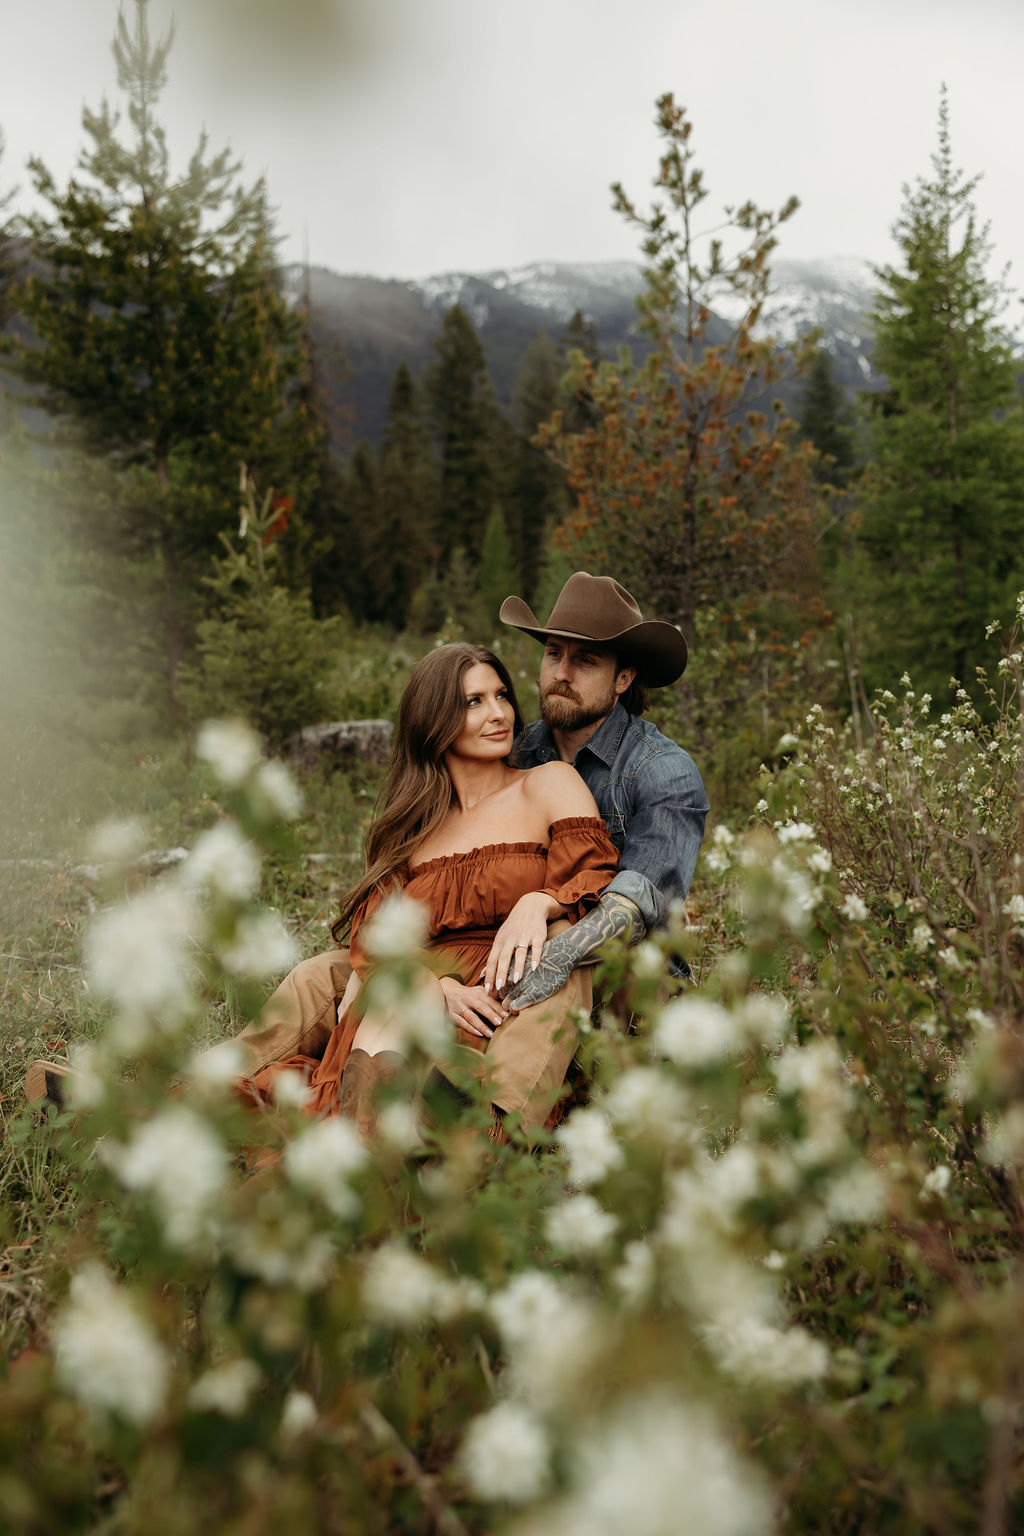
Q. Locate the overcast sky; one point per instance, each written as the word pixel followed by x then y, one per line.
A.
pixel 409 137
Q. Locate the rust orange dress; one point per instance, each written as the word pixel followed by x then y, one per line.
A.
pixel 468 896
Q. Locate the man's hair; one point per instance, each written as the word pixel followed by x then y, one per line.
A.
pixel 635 699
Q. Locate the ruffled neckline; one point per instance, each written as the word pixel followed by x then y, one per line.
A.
pixel 488 851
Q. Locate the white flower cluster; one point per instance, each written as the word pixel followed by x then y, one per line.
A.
pixel 405 1291
pixel 549 1333
pixel 259 946
pixel 286 1252
pixel 140 957
pixel 505 1455
pixel 231 748
pixel 323 1160
pixel 180 1164
pixel 590 1147
pixel 579 1225
pixel 225 1389
pixel 656 1467
pixel 224 862
pixel 697 1032
pixel 106 1354
pixel 397 930
pixel 749 1349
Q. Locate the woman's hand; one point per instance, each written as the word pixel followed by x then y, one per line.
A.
pixel 519 940
pixel 471 1008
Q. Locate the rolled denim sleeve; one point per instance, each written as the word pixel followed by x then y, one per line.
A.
pixel 663 835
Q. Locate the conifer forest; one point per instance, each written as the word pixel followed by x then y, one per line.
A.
pixel 766 1273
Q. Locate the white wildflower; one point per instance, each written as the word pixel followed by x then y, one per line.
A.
pixel 693 1031
pixel 734 1178
pixel 323 1161
pixel 980 1019
pixel 645 1101
pixel 761 808
pixel 402 1289
pixel 937 1180
pixel 787 742
pixel 182 1166
pixel 218 1067
pixel 260 946
pixel 284 1255
pixel 140 958
pixel 276 792
pixel 722 837
pixel 752 1350
pixel 857 1195
pixel 799 898
pixel 657 1467
pixel 820 861
pixel 648 960
pixel 87 1082
pixel 117 841
pixel 298 1415
pixel 291 1090
pixel 590 1147
pixel 716 859
pixel 634 1277
pixel 398 1126
pixel 397 930
pixel 763 1018
pixel 950 958
pixel 105 1353
pixel 854 907
pixel 505 1455
pixel 774 1260
pixel 224 862
pixel 922 938
pixel 807 1069
pixel 226 1389
pixel 1014 908
pixel 231 749
pixel 795 832
pixel 549 1334
pixel 579 1225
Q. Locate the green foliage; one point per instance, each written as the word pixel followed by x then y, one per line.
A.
pixel 685 488
pixel 464 418
pixel 400 540
pixel 941 522
pixel 826 420
pixel 263 656
pixel 9 259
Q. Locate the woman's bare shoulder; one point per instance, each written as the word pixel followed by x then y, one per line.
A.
pixel 560 790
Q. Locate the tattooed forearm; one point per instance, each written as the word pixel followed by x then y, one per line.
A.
pixel 614 917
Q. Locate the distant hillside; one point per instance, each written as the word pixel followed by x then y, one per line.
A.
pixel 379 322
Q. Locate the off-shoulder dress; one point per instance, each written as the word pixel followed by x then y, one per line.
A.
pixel 468 896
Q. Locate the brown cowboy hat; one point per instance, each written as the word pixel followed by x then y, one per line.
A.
pixel 597 608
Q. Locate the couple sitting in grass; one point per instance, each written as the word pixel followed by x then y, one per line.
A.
pixel 528 848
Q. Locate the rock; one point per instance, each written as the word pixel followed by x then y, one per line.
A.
pixel 341 742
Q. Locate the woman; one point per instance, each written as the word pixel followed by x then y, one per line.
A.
pixel 496 854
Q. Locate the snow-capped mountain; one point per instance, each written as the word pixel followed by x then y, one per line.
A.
pixel 380 322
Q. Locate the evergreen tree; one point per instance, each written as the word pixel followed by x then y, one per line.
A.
pixel 262 654
pixel 8 247
pixel 684 490
pixel 537 496
pixel 158 312
pixel 498 575
pixel 826 420
pixel 359 511
pixel 577 404
pixel 943 506
pixel 464 415
pixel 401 544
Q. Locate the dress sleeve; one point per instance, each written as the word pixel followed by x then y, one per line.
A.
pixel 582 861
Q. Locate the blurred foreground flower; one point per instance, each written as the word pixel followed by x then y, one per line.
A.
pixel 106 1355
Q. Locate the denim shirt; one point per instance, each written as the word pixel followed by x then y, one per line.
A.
pixel 651 798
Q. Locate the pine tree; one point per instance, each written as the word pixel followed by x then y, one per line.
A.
pixel 463 414
pixel 401 545
pixel 826 420
pixel 158 311
pixel 536 495
pixel 943 508
pixel 685 489
pixel 498 574
pixel 8 249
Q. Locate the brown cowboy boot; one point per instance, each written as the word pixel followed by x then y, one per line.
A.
pixel 46 1082
pixel 360 1079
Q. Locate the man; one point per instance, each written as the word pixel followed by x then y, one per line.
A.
pixel 600 657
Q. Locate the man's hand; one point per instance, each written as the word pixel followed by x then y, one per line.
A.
pixel 613 917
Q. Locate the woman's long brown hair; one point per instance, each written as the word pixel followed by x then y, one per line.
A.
pixel 418 791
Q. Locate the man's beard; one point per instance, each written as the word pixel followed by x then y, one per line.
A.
pixel 563 712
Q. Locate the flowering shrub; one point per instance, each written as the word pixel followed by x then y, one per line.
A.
pixel 765 1279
